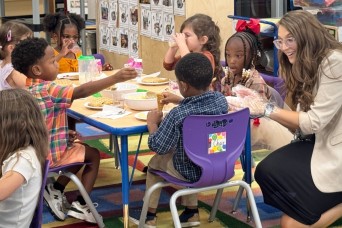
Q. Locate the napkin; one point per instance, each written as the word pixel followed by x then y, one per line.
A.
pixel 110 112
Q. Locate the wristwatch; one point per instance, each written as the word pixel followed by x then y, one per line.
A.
pixel 269 109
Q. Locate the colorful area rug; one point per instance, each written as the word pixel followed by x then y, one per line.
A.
pixel 107 194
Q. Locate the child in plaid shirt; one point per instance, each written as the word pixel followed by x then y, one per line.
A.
pixel 36 59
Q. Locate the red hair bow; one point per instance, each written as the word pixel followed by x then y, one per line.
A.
pixel 253 25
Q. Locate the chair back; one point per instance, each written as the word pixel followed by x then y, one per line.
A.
pixel 37 219
pixel 214 142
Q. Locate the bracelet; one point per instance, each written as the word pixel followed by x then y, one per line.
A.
pixel 269 109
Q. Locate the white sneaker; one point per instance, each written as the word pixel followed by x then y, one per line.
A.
pixel 53 199
pixel 81 212
pixel 65 203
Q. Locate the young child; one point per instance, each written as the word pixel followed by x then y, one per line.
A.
pixel 65 31
pixel 194 74
pixel 198 33
pixel 242 51
pixel 36 59
pixel 11 32
pixel 23 149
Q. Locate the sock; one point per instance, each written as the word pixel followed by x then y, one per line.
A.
pixel 58 186
pixel 151 214
pixel 189 211
pixel 81 200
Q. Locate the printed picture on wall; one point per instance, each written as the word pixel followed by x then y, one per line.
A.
pixel 133 44
pixel 114 40
pixel 104 37
pixel 144 1
pixel 156 4
pixel 113 14
pixel 124 41
pixel 157 25
pixel 124 17
pixel 168 6
pixel 104 10
pixel 169 25
pixel 133 17
pixel 145 24
pixel 179 7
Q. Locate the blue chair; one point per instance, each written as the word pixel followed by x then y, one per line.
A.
pixel 200 134
pixel 38 213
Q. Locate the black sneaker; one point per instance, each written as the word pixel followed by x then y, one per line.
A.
pixel 189 219
pixel 134 217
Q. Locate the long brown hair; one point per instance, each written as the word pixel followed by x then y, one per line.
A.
pixel 21 125
pixel 203 25
pixel 12 32
pixel 314 42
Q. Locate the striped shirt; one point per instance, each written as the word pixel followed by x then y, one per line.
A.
pixel 53 101
pixel 169 136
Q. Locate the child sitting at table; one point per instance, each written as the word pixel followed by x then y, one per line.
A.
pixel 194 74
pixel 35 58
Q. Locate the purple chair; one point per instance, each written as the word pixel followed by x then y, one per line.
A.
pixel 200 134
pixel 38 213
pixel 63 170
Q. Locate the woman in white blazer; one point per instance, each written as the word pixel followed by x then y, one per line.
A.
pixel 303 179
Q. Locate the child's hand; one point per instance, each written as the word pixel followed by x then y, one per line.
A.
pixel 126 74
pixel 65 47
pixel 72 137
pixel 154 117
pixel 171 98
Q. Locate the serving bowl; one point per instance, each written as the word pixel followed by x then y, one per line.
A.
pixel 118 90
pixel 139 101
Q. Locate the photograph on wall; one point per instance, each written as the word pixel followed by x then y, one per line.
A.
pixel 168 6
pixel 133 17
pixel 104 37
pixel 145 24
pixel 73 6
pixel 169 25
pixel 104 10
pixel 114 45
pixel 133 42
pixel 147 2
pixel 179 7
pixel 124 17
pixel 113 14
pixel 135 2
pixel 157 25
pixel 157 5
pixel 124 41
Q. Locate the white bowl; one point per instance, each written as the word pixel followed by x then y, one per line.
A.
pixel 138 101
pixel 121 89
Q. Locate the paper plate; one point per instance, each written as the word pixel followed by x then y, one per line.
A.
pixel 70 76
pixel 92 107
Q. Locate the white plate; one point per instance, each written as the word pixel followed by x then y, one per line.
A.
pixel 151 83
pixel 70 76
pixel 143 115
pixel 92 107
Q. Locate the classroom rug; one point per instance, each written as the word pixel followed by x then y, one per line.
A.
pixel 107 195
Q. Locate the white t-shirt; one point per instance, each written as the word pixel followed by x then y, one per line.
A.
pixel 17 210
pixel 5 71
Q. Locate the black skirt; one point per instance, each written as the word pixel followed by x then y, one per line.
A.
pixel 286 182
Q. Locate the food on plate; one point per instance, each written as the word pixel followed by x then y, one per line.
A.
pixel 160 96
pixel 154 80
pixel 100 101
pixel 63 82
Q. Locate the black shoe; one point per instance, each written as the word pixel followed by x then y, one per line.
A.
pixel 189 219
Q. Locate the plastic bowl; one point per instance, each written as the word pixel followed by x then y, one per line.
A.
pixel 121 89
pixel 138 101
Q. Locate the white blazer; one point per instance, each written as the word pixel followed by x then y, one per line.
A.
pixel 325 121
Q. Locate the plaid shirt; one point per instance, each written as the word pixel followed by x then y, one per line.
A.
pixel 170 135
pixel 53 101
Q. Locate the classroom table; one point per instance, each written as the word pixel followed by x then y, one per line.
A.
pixel 129 125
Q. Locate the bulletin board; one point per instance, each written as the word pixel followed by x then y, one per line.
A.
pixel 142 28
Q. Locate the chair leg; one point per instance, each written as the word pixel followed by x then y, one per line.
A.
pixel 147 200
pixel 237 199
pixel 114 144
pixel 215 205
pixel 86 198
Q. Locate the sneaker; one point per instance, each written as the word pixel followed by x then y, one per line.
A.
pixel 53 199
pixel 134 217
pixel 65 204
pixel 189 219
pixel 81 212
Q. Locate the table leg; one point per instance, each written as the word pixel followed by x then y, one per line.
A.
pixel 125 180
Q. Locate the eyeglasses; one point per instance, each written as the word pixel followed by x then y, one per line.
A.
pixel 66 36
pixel 289 42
